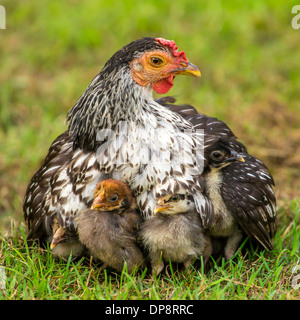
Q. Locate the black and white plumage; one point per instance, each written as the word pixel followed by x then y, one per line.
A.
pixel 242 189
pixel 174 233
pixel 213 127
pixel 117 130
pixel 220 155
pixel 248 194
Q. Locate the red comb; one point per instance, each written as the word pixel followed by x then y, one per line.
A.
pixel 173 46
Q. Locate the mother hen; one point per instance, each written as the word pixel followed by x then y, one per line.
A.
pixel 117 130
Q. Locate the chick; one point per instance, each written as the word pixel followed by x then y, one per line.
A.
pixel 240 189
pixel 174 232
pixel 65 242
pixel 220 155
pixel 109 229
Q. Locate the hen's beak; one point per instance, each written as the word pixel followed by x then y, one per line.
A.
pixel 187 69
pixel 161 208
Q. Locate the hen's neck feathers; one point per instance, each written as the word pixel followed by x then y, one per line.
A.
pixel 110 98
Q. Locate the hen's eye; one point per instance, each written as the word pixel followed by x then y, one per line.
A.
pixel 156 61
pixel 217 155
pixel 113 198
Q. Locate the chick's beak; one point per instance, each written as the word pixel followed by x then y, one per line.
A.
pixel 58 237
pixel 161 208
pixel 53 244
pixel 98 202
pixel 235 157
pixel 187 69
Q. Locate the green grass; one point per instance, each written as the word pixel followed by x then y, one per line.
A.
pixel 33 273
pixel 248 54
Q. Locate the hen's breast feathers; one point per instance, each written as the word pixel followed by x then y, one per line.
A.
pixel 144 152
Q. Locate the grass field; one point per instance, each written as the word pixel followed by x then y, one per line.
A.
pixel 248 54
pixel 32 273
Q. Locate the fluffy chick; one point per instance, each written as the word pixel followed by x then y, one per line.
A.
pixel 174 232
pixel 220 155
pixel 109 229
pixel 65 242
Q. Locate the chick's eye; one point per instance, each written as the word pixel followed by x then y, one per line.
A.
pixel 156 61
pixel 113 198
pixel 175 198
pixel 217 155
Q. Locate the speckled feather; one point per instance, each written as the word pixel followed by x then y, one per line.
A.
pixel 248 194
pixel 149 137
pixel 246 187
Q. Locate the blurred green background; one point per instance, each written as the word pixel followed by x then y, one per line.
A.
pixel 247 51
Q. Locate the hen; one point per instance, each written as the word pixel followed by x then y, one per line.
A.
pixel 117 130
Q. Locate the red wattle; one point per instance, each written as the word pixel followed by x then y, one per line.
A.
pixel 164 85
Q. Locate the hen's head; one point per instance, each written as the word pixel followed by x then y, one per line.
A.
pixel 153 61
pixel 220 154
pixel 113 195
pixel 123 89
pixel 174 204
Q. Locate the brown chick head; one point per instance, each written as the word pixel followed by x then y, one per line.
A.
pixel 171 204
pixel 114 196
pixel 159 65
